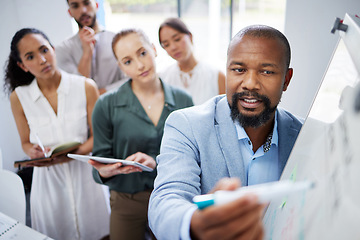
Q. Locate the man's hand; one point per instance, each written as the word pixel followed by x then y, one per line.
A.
pixel 240 219
pixel 87 38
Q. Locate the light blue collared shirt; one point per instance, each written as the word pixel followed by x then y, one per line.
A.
pixel 260 166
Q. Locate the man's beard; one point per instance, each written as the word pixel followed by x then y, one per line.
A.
pixel 92 23
pixel 253 121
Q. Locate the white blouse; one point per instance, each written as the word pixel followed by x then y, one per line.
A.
pixel 201 82
pixel 66 203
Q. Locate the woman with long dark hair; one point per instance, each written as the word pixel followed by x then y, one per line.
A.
pixel 56 107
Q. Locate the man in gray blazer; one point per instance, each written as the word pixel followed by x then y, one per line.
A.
pixel 241 135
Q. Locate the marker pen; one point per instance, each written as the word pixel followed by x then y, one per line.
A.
pixel 265 192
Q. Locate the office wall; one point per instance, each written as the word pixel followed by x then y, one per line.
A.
pixel 307 26
pixel 49 16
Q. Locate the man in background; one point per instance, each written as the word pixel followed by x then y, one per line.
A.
pixel 89 52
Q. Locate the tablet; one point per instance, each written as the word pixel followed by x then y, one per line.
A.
pixel 86 158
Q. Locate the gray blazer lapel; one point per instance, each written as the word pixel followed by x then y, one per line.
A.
pixel 288 130
pixel 227 137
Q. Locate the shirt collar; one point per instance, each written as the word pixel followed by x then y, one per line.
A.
pixel 242 134
pixel 169 97
pixel 123 98
pixel 64 87
pixel 275 137
pixel 34 90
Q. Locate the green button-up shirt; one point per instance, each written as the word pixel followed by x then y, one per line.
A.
pixel 121 128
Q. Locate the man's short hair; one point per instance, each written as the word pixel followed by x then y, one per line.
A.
pixel 263 31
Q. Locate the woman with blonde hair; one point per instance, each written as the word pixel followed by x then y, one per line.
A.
pixel 128 124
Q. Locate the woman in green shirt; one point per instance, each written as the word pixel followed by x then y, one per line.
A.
pixel 128 124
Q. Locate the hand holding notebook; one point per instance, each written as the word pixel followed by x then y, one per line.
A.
pixel 86 158
pixel 55 151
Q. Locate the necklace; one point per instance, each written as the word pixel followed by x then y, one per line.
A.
pixel 267 144
pixel 185 78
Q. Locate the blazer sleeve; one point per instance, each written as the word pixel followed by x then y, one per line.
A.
pixel 178 179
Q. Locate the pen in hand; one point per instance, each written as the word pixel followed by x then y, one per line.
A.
pixel 41 145
pixel 266 192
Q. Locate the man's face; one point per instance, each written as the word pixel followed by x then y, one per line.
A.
pixel 256 76
pixel 83 11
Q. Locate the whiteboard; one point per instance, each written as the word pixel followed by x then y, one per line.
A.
pixel 326 152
